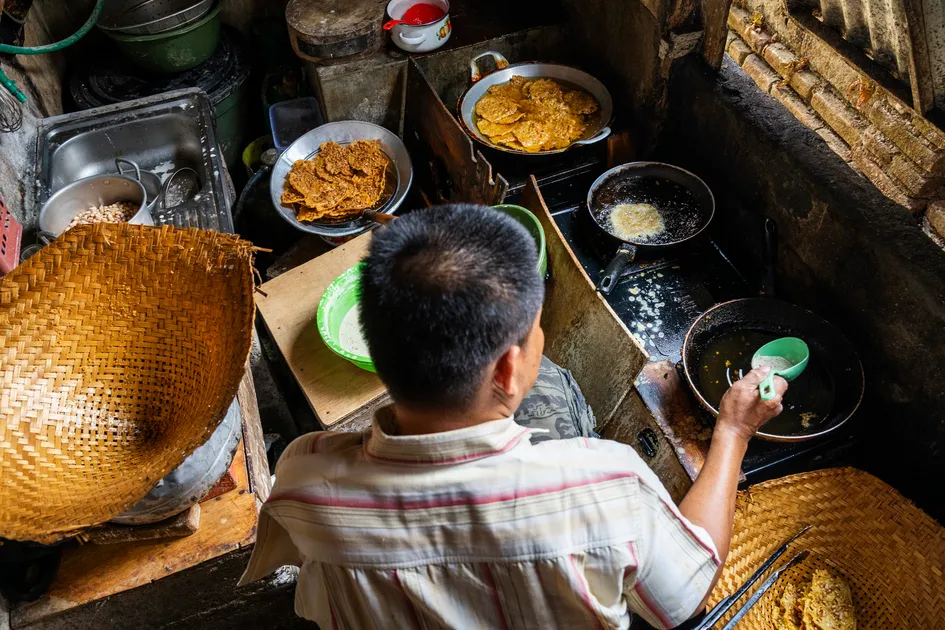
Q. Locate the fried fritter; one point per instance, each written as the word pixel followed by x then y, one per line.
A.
pixel 534 114
pixel 496 108
pixel 824 603
pixel 543 90
pixel 580 102
pixel 338 182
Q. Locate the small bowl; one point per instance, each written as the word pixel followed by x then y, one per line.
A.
pixel 533 225
pixel 337 301
pixel 99 190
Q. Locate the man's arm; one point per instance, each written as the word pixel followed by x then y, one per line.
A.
pixel 710 503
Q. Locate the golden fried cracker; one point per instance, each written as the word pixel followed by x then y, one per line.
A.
pixel 555 117
pixel 543 89
pixel 496 108
pixel 490 128
pixel 366 156
pixel 580 102
pixel 336 159
pixel 530 135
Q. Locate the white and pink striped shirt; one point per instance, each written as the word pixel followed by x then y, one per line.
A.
pixel 478 528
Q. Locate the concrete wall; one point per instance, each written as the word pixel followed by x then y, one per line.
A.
pixel 847 252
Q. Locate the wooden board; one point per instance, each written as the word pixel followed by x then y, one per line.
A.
pixel 90 573
pixel 582 332
pixel 447 166
pixel 333 387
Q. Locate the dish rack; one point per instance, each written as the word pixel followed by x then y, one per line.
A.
pixel 11 235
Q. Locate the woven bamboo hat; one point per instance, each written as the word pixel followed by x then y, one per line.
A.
pixel 890 553
pixel 121 347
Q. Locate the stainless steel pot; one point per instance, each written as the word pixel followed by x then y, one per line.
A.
pixel 531 70
pixel 98 190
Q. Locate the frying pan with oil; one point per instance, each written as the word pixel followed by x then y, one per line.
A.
pixel 684 202
pixel 718 351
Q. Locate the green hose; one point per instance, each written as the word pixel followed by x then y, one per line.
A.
pixel 48 48
pixel 8 83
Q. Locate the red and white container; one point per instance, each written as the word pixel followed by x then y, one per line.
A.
pixel 419 38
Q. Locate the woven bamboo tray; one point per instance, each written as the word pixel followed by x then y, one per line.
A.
pixel 890 552
pixel 121 347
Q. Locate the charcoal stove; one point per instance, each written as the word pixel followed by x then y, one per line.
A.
pixel 658 299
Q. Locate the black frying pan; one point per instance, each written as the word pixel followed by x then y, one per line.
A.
pixel 683 201
pixel 720 344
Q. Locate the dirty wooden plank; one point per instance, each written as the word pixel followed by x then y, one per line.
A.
pixel 334 388
pixel 628 423
pixel 582 332
pixel 184 524
pixel 447 166
pixel 257 464
pixel 715 22
pixel 90 573
pixel 682 422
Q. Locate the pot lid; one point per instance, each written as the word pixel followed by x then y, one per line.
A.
pixel 332 21
pixel 112 79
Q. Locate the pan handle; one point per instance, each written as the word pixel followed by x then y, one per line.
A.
pixel 378 217
pixel 625 256
pixel 501 63
pixel 603 133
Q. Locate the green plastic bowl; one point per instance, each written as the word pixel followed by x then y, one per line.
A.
pixel 175 50
pixel 339 298
pixel 533 225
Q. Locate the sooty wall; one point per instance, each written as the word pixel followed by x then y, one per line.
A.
pixel 845 251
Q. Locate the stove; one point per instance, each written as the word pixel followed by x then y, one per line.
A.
pixel 658 299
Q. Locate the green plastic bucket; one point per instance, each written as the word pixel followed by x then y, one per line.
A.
pixel 533 225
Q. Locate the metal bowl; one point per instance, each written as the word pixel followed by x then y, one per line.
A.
pixel 98 190
pixel 149 17
pixel 192 480
pixel 344 132
pixel 531 70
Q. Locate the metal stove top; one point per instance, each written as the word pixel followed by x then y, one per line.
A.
pixel 659 298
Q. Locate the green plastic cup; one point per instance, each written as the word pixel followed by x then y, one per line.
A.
pixel 339 298
pixel 791 351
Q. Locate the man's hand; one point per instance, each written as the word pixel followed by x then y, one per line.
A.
pixel 742 411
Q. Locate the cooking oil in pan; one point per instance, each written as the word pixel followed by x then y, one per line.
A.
pixel 807 403
pixel 679 213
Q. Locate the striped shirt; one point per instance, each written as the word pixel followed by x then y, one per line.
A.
pixel 478 528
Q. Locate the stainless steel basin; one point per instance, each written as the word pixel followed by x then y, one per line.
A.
pixel 161 134
pixel 153 143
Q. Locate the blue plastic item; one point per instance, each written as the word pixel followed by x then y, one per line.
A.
pixel 291 119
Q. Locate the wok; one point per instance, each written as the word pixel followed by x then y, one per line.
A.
pixel 503 73
pixel 685 204
pixel 830 389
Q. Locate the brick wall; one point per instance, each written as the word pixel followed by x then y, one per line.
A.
pixel 878 135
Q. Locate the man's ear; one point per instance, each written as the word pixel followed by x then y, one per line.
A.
pixel 505 368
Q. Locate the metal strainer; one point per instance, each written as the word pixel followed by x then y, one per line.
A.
pixel 147 17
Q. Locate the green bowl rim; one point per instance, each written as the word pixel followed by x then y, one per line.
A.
pixel 212 13
pixel 542 244
pixel 339 285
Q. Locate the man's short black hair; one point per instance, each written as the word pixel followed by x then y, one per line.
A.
pixel 444 292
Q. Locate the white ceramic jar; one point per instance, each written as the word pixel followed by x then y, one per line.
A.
pixel 423 37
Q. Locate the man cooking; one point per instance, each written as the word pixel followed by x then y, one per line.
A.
pixel 448 513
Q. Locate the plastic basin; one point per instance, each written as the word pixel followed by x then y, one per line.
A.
pixel 339 298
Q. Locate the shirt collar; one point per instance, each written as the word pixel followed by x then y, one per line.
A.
pixel 448 447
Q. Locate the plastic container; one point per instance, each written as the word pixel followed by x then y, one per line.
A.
pixel 290 120
pixel 533 225
pixel 339 298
